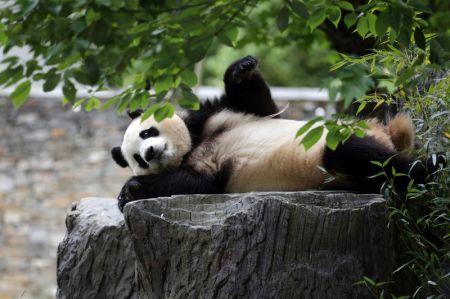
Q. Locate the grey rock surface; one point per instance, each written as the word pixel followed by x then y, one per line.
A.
pixel 260 245
pixel 96 258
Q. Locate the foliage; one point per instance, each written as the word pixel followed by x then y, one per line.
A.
pixel 339 130
pixel 115 44
pixel 132 45
pixel 422 217
pixel 381 51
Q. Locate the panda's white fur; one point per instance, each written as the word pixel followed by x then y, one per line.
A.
pixel 263 152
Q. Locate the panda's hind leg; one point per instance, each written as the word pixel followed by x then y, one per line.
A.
pixel 354 159
pixel 245 89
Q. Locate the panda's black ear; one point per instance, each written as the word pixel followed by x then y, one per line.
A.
pixel 135 113
pixel 117 156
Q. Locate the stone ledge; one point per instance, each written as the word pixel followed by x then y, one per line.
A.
pixel 252 245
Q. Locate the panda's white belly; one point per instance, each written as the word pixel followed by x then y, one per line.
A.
pixel 265 156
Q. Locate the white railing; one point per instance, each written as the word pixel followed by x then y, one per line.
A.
pixel 308 94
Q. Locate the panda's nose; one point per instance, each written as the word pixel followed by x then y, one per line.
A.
pixel 150 153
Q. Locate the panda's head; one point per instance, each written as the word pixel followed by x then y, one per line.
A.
pixel 150 147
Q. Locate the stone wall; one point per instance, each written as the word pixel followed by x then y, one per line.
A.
pixel 50 156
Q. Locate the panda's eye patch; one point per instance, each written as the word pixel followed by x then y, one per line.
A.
pixel 152 132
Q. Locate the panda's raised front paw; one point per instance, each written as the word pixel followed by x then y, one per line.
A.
pixel 241 70
pixel 130 192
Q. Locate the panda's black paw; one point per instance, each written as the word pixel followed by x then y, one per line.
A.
pixel 241 70
pixel 131 191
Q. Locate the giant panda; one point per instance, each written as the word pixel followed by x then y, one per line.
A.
pixel 237 143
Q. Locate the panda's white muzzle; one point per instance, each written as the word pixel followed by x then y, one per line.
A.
pixel 152 149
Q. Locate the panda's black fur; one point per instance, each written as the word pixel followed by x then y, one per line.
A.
pixel 246 92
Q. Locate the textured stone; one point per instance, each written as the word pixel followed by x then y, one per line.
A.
pixel 95 259
pixel 260 245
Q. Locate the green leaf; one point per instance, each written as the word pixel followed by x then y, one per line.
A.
pixel 419 38
pixel 386 162
pixel 350 19
pixel 346 134
pixel 145 100
pixel 15 75
pixel 139 28
pixel 92 103
pixel 312 137
pixel 382 23
pixel 51 82
pixel 123 102
pixel 379 103
pixel 362 124
pixel 69 90
pixel 189 101
pixel 334 15
pixel 390 86
pixel 283 19
pixel 359 133
pixel 229 36
pixel 91 16
pixel 224 39
pixel 89 73
pixel 109 103
pixel 316 19
pixel 196 51
pixel 21 93
pixel 149 112
pixel 69 61
pixel 361 107
pixel 345 5
pixel 78 103
pixel 189 77
pixel 371 21
pixel 362 27
pixel 307 126
pixel 300 8
pixel 3 38
pixel 163 84
pixel 333 138
pixel 135 102
pixel 32 66
pixel 165 111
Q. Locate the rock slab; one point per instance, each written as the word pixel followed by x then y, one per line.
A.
pixel 259 245
pixel 96 257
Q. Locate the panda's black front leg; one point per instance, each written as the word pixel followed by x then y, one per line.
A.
pixel 178 181
pixel 245 89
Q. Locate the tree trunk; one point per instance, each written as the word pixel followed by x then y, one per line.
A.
pixel 96 258
pixel 260 245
